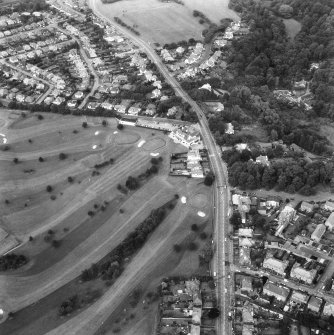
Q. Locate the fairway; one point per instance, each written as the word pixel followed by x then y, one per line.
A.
pixel 166 22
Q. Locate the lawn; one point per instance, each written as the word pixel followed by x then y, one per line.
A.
pixel 166 22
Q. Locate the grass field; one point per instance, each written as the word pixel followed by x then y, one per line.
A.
pixel 292 27
pixel 167 22
pixel 50 275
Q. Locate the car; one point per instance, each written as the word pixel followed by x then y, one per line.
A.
pixel 225 290
pixel 229 276
pixel 225 239
pixel 285 279
pixel 214 273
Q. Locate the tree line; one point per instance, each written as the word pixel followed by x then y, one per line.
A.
pixel 12 262
pixel 112 266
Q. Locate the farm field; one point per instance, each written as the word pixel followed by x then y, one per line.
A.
pixel 160 22
pixel 35 291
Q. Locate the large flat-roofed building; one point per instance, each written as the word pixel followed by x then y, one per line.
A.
pixel 306 207
pixel 281 293
pixel 275 265
pixel 314 304
pixel 318 232
pixel 328 309
pixel 299 273
pixel 285 217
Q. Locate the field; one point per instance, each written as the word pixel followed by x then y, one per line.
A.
pixel 35 291
pixel 166 22
pixel 292 27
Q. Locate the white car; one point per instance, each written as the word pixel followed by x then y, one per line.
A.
pixel 225 239
pixel 214 273
pixel 225 290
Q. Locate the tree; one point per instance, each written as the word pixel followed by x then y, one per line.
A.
pixel 132 183
pixel 120 126
pixel 104 123
pixel 41 159
pixel 31 238
pixel 40 117
pixel 209 179
pixel 84 124
pixel 15 160
pixel 286 11
pixel 70 179
pixel 56 243
pixel 214 313
pixel 235 220
pixel 49 188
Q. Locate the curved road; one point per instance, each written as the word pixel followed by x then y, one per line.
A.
pixel 221 202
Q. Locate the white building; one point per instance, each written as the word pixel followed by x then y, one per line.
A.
pixel 275 265
pixel 299 273
pixel 330 222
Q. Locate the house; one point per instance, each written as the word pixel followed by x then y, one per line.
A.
pixel 58 101
pixel 306 207
pixel 245 232
pixel 275 265
pixel 318 232
pixel 206 87
pixel 285 217
pixel 150 110
pixel 329 206
pixel 244 257
pixel 281 293
pixel 230 129
pixel 120 108
pixel 179 50
pixel 134 110
pixel 247 313
pixel 246 284
pixel 78 95
pixel 328 309
pixel 314 304
pixel 93 105
pixel 72 103
pixel 330 222
pixel 299 297
pixel 172 111
pixel 303 275
pixel 156 93
pixel 263 160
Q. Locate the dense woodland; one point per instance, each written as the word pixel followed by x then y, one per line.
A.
pixel 266 59
pixel 291 174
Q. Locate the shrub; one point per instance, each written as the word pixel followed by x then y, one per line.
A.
pixel 192 246
pixel 194 227
pixel 56 243
pixel 15 160
pixel 70 179
pixel 75 131
pixel 51 232
pixel 91 213
pixel 12 262
pixel 62 156
pixel 30 140
pixel 40 117
pixel 84 125
pixel 53 197
pixel 6 148
pixel 177 247
pixel 41 159
pixel 120 126
pixel 7 202
pixel 203 235
pixel 154 161
pixel 104 123
pixel 132 183
pixel 209 179
pixel 49 188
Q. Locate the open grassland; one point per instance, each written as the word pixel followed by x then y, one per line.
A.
pixel 31 210
pixel 166 22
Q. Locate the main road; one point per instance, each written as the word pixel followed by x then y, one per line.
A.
pixel 221 193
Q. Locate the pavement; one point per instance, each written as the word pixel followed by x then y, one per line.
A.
pixel 221 194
